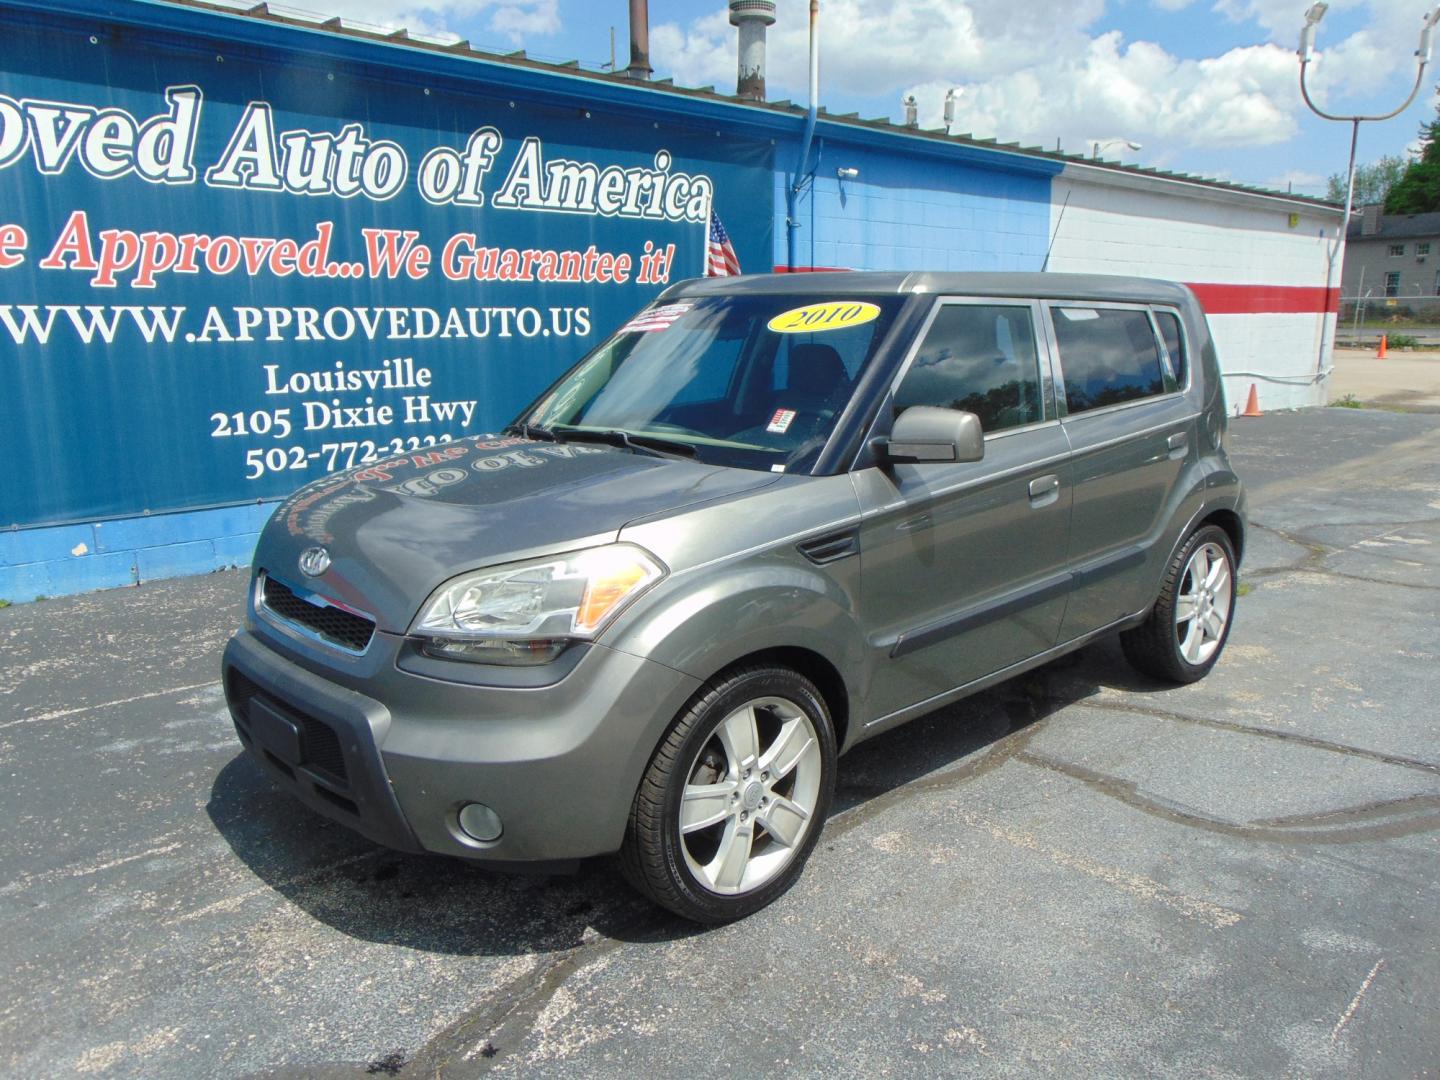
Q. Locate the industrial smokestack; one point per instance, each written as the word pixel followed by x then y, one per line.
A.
pixel 639 40
pixel 752 17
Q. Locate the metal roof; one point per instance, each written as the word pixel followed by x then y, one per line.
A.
pixel 934 139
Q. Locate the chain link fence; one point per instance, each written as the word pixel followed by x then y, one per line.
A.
pixel 1406 321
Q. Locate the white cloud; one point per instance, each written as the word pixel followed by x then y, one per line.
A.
pixel 1362 62
pixel 702 53
pixel 516 20
pixel 1137 92
pixel 1036 70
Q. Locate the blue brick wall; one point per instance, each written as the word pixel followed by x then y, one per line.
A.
pixel 77 558
pixel 907 212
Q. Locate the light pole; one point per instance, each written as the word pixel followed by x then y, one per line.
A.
pixel 1095 151
pixel 1306 51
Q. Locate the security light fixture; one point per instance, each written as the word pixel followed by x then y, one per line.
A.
pixel 1095 152
pixel 846 173
pixel 1307 33
pixel 1423 52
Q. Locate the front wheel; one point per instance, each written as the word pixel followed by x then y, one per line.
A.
pixel 1185 633
pixel 735 797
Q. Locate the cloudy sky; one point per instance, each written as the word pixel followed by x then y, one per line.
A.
pixel 1205 86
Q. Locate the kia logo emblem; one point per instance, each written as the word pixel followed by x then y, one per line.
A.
pixel 314 561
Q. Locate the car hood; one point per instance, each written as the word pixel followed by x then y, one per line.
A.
pixel 397 529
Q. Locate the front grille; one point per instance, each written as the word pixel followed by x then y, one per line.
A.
pixel 319 744
pixel 333 624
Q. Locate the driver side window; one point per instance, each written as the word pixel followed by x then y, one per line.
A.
pixel 978 358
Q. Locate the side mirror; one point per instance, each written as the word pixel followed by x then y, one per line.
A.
pixel 924 433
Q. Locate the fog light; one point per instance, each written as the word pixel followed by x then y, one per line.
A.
pixel 480 822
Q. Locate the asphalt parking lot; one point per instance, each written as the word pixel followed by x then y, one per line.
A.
pixel 1079 873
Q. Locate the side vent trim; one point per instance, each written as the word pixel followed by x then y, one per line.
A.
pixel 831 547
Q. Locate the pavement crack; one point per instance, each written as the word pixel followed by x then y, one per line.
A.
pixel 480 1039
pixel 58 714
pixel 1385 820
pixel 1216 915
pixel 1349 1012
pixel 1026 723
pixel 1262 732
pixel 1316 552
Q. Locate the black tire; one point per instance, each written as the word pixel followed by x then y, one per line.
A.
pixel 654 854
pixel 1155 646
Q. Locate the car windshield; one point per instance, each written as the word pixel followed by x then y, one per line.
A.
pixel 754 382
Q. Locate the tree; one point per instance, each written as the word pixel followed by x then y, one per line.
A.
pixel 1373 182
pixel 1418 191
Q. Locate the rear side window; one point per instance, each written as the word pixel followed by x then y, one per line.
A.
pixel 980 359
pixel 1109 356
pixel 1169 324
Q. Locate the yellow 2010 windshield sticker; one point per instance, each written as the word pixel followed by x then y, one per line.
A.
pixel 830 315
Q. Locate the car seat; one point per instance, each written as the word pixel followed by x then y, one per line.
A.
pixel 817 378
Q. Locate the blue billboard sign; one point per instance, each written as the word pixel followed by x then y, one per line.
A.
pixel 219 280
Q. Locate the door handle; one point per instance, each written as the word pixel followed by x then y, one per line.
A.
pixel 1178 441
pixel 1042 486
pixel 914 524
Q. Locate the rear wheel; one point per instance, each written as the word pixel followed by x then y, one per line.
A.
pixel 734 799
pixel 1187 630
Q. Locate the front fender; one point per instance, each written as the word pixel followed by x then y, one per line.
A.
pixel 703 621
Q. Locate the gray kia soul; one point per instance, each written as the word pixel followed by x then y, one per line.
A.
pixel 769 518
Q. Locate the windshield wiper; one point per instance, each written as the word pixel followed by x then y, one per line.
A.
pixel 653 445
pixel 532 431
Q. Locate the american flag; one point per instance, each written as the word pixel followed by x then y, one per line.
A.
pixel 720 257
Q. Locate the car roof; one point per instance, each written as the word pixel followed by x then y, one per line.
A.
pixel 1044 286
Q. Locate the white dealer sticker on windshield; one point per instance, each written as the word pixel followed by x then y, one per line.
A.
pixel 655 319
pixel 780 422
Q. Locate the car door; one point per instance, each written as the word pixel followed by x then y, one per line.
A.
pixel 1131 431
pixel 963 564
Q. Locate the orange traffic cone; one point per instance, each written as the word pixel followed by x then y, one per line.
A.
pixel 1252 404
pixel 1384 341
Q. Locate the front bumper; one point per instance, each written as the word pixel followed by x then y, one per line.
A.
pixel 395 755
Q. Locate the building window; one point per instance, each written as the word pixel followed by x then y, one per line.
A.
pixel 1392 284
pixel 1397 249
pixel 1422 248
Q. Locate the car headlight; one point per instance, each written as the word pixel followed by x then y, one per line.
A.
pixel 529 612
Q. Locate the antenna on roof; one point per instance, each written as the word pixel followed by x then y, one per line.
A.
pixel 1046 264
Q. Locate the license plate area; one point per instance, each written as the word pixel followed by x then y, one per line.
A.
pixel 274 731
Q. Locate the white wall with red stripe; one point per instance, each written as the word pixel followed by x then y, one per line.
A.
pixel 1260 265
